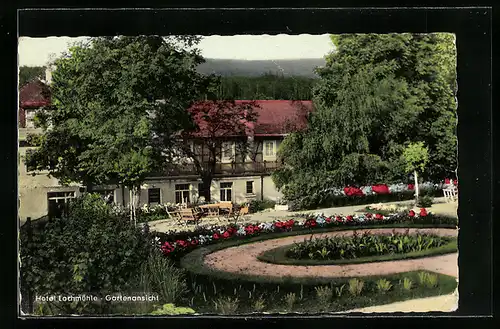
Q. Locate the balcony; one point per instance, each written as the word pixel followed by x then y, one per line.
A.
pixel 225 169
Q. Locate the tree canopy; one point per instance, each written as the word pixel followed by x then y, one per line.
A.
pixel 116 104
pixel 30 73
pixel 376 94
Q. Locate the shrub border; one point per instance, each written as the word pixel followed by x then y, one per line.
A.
pixel 278 256
pixel 193 262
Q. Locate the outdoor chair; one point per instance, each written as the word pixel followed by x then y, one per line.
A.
pixel 450 194
pixel 237 214
pixel 188 215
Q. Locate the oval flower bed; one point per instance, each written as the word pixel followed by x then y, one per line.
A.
pixel 360 248
pixel 177 244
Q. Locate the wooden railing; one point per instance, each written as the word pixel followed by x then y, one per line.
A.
pixel 247 168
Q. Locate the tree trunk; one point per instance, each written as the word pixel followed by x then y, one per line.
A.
pixel 207 183
pixel 415 176
pixel 89 187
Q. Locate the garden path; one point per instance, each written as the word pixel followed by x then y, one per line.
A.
pixel 243 259
pixel 439 207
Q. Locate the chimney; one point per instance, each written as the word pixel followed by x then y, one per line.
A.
pixel 48 75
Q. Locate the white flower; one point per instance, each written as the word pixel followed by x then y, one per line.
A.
pixel 241 231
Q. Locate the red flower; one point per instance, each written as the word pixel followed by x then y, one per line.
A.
pixel 226 235
pixel 290 223
pixel 338 219
pixel 349 218
pixel 194 242
pixel 411 187
pixel 353 191
pixel 328 219
pixel 278 224
pixel 447 181
pixel 423 212
pixel 216 236
pixel 181 243
pixel 368 215
pixel 455 182
pixel 412 213
pixel 313 223
pixel 381 189
pixel 379 216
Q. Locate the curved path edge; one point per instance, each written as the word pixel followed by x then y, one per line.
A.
pixel 243 259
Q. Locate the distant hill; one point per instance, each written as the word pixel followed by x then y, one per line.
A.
pixel 227 67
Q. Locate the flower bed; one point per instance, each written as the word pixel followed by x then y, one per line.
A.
pixel 363 245
pixel 312 295
pixel 177 244
pixel 359 195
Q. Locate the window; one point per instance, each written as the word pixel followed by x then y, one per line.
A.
pixel 250 187
pixel 30 116
pixel 58 203
pixel 226 191
pixel 182 193
pixel 269 149
pixel 227 151
pixel 107 195
pixel 28 153
pixel 153 196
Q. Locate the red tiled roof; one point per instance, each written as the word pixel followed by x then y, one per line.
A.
pixel 276 117
pixel 34 94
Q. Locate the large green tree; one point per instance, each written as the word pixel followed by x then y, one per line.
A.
pixel 117 104
pixel 376 94
pixel 30 73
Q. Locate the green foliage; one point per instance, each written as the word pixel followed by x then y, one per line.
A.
pixel 162 277
pixel 89 251
pixel 267 86
pixel 171 309
pixel 425 201
pixel 323 296
pixel 226 305
pixel 356 286
pixel 108 123
pixel 30 73
pixel 383 285
pixel 34 139
pixel 259 304
pixel 407 284
pixel 428 280
pixel 259 205
pixel 416 157
pixel 376 94
pixel 290 299
pixel 363 245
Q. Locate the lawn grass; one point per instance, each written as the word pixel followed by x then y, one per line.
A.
pixel 279 256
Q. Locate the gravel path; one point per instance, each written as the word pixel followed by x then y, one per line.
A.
pixel 242 259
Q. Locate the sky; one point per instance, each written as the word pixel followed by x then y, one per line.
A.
pixel 38 51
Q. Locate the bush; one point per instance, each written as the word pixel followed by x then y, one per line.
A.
pixel 259 205
pixel 425 201
pixel 171 309
pixel 325 200
pixel 88 251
